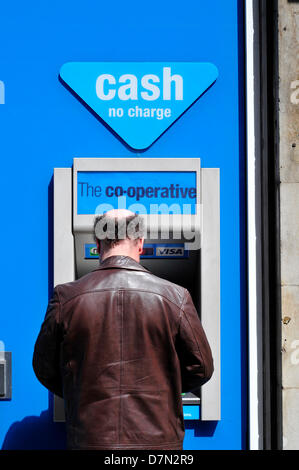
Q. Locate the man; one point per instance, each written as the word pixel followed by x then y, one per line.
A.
pixel 120 345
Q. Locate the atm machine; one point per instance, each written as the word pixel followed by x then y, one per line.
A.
pixel 179 201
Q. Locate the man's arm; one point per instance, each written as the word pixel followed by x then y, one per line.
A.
pixel 193 349
pixel 46 356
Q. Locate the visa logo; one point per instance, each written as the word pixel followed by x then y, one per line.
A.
pixel 173 251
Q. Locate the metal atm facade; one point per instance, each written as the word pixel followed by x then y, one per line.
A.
pixel 182 241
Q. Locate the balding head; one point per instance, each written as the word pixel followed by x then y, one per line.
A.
pixel 119 232
pixel 120 213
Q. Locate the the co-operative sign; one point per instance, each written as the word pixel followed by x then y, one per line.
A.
pixel 139 100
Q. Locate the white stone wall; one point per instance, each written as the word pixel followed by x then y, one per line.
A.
pixel 289 201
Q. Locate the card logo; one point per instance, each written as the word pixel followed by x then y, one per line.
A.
pixel 90 251
pixel 139 100
pixel 164 251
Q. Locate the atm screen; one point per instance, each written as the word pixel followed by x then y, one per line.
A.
pixel 150 192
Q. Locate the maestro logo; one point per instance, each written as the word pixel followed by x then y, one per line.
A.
pixel 139 100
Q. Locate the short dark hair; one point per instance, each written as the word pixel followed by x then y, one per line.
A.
pixel 110 231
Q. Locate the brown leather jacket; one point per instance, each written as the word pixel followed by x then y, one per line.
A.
pixel 120 345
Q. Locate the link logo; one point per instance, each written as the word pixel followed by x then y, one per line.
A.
pixel 93 251
pixel 138 100
pixel 90 251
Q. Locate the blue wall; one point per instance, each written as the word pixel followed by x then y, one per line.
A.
pixel 43 126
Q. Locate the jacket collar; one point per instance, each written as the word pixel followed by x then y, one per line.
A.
pixel 122 262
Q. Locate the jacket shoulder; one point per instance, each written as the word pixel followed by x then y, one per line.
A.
pixel 143 281
pixel 175 293
pixel 68 290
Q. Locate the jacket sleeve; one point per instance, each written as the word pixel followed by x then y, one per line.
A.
pixel 46 356
pixel 193 349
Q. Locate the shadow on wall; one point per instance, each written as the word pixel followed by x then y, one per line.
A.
pixel 42 433
pixel 36 433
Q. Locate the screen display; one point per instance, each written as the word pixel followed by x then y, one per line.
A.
pixel 150 192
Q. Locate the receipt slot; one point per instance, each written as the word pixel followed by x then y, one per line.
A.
pixel 180 204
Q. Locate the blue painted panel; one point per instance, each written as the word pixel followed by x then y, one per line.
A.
pixel 44 126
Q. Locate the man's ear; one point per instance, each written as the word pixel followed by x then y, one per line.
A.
pixel 98 247
pixel 140 245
